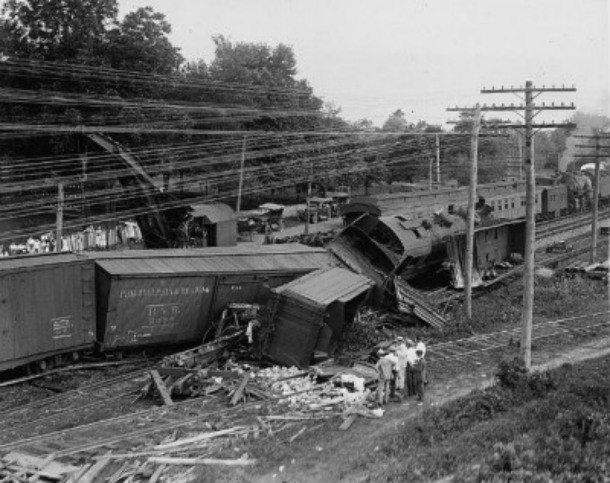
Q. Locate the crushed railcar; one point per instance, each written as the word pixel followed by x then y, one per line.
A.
pixel 312 312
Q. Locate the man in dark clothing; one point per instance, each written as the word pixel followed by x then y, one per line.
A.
pixel 420 377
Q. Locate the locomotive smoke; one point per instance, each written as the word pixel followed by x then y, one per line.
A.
pixel 586 125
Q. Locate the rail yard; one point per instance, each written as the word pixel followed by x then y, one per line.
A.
pixel 210 271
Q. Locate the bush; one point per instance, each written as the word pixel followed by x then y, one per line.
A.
pixel 514 376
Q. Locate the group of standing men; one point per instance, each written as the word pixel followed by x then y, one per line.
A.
pixel 401 367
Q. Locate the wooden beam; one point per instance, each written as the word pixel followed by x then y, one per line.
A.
pixel 167 399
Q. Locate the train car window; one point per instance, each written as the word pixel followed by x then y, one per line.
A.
pixel 512 204
pixel 506 204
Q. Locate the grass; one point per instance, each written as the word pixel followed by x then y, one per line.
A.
pixel 535 428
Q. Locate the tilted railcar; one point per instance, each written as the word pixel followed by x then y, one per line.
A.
pixel 54 306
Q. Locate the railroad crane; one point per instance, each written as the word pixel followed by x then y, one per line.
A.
pixel 157 212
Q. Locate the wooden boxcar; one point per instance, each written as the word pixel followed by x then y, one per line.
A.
pixel 47 308
pixel 170 296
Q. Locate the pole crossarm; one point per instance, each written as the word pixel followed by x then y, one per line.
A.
pixel 512 107
pixel 523 89
pixel 529 111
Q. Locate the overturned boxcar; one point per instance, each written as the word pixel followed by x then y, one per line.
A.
pixel 173 296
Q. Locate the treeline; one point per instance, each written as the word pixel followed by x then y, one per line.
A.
pixel 76 63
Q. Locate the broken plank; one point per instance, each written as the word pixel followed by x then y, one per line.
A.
pixel 176 371
pixel 95 470
pixel 239 392
pixel 197 438
pixel 167 399
pixel 299 433
pixel 118 474
pixel 200 461
pixel 157 474
pixel 348 422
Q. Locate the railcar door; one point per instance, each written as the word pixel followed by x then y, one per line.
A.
pixel 7 346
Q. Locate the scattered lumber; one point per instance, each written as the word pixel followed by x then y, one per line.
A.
pixel 201 461
pixel 348 422
pixel 167 399
pixel 198 438
pixel 239 392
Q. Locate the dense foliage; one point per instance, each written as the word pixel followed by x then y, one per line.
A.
pixel 544 427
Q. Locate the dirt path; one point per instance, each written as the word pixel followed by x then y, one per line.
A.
pixel 331 455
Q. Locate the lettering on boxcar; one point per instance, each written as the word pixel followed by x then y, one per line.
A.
pixel 131 293
pixel 162 315
pixel 62 327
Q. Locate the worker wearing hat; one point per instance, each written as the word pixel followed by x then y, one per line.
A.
pixel 385 370
pixel 420 376
pixel 401 366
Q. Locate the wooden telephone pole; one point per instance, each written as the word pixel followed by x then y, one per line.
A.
pixel 59 228
pixel 241 176
pixel 597 156
pixel 472 194
pixel 530 111
pixel 529 93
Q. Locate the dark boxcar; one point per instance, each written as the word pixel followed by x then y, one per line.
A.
pixel 155 297
pixel 47 307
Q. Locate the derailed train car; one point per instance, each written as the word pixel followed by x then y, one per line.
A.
pixel 52 307
pixel 381 247
pixel 175 295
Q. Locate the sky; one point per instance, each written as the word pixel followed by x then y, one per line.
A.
pixel 371 57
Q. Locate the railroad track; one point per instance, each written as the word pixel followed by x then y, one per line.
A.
pixel 84 403
pixel 132 430
pixel 129 430
pixel 474 346
pixel 554 227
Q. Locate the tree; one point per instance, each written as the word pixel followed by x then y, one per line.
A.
pixel 141 43
pixel 56 30
pixel 396 122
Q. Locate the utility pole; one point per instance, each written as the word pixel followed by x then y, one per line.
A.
pixel 438 159
pixel 241 176
pixel 598 155
pixel 60 216
pixel 307 208
pixel 530 110
pixel 472 192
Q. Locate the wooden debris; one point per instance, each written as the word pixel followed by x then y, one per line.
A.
pixel 167 400
pixel 94 470
pixel 201 461
pixel 118 474
pixel 348 422
pixel 239 392
pixel 157 474
pixel 35 465
pixel 299 433
pixel 198 438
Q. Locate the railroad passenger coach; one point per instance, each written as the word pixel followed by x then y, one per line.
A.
pixel 47 309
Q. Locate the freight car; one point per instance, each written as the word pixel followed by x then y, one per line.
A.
pixel 54 306
pixel 47 309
